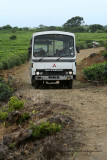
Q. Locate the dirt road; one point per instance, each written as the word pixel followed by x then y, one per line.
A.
pixel 89 109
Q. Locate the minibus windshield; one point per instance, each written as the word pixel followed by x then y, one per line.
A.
pixel 55 45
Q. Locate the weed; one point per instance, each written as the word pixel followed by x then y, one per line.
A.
pixel 3 115
pixel 25 116
pixel 12 145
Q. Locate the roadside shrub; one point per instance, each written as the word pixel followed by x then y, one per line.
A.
pixel 96 72
pixel 44 129
pixel 15 104
pixel 13 37
pixel 5 91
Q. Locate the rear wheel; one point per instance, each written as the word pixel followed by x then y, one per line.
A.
pixel 70 84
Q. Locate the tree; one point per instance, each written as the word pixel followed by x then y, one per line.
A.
pixel 7 27
pixel 74 22
pixel 95 27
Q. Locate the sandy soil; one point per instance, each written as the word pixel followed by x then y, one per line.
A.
pixel 86 104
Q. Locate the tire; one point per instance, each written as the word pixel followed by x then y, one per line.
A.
pixel 36 84
pixel 32 81
pixel 70 84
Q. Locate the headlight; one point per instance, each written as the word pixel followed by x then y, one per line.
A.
pixel 70 72
pixel 37 73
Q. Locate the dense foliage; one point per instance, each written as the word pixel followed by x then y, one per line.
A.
pixel 96 72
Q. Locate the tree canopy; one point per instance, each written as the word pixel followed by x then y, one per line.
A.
pixel 74 22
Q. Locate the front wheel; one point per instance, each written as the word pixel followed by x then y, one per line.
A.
pixel 70 84
pixel 33 80
pixel 36 84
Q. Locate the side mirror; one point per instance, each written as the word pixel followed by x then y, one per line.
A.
pixel 77 49
pixel 30 50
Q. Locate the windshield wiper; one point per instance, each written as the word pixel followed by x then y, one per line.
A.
pixel 59 58
pixel 40 59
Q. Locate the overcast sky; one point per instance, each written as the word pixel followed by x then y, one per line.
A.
pixel 32 13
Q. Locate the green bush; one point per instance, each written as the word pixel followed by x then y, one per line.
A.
pixel 15 104
pixel 13 37
pixel 96 72
pixel 5 91
pixel 44 129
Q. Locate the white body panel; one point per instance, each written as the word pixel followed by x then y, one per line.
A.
pixel 53 66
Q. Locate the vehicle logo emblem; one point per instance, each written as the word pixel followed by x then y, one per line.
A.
pixel 54 65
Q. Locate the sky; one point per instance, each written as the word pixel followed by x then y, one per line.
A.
pixel 32 13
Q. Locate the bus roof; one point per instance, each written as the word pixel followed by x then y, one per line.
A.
pixel 53 32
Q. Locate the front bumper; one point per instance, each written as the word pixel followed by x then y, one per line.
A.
pixel 54 78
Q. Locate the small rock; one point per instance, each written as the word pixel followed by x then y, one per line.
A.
pixel 14 117
pixel 17 137
pixel 7 140
pixel 47 102
pixel 3 151
pixel 25 135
